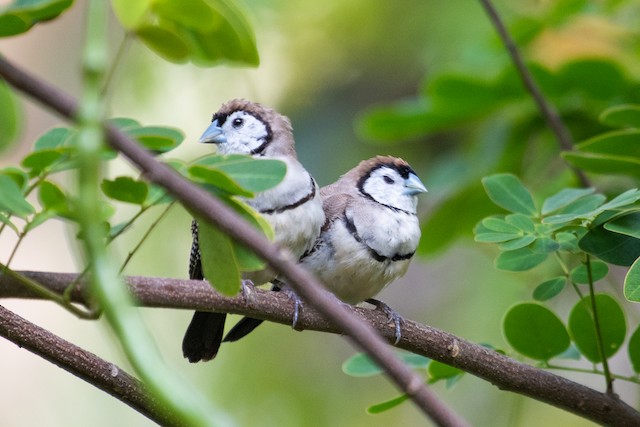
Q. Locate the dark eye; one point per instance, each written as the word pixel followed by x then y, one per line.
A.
pixel 237 123
pixel 388 179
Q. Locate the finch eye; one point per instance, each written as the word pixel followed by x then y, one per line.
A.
pixel 236 123
pixel 388 179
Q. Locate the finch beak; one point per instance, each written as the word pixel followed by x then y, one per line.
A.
pixel 213 134
pixel 413 185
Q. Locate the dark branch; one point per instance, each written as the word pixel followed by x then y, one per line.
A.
pixel 549 113
pixel 81 363
pixel 502 371
pixel 201 202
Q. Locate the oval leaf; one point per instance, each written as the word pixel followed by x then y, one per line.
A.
pixel 580 274
pixel 614 248
pixel 12 200
pixel 10 117
pixel 549 289
pixel 125 189
pixel 564 198
pixel 506 191
pixel 627 224
pixel 219 264
pixel 634 350
pixel 627 115
pixel 535 331
pixel 632 282
pixel 604 163
pixel 519 260
pixel 612 326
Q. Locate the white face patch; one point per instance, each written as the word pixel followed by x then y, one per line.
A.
pixel 244 133
pixel 386 186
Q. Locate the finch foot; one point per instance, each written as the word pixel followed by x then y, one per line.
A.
pixel 392 315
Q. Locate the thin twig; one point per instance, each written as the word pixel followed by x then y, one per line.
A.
pixel 81 363
pixel 547 110
pixel 500 370
pixel 201 202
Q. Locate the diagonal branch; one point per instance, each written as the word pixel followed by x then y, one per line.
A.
pixel 549 114
pixel 202 203
pixel 502 371
pixel 81 363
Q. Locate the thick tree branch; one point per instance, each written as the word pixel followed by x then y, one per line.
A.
pixel 548 112
pixel 81 363
pixel 502 371
pixel 201 202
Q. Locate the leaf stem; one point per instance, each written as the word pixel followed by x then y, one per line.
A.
pixel 146 235
pixel 598 330
pixel 594 371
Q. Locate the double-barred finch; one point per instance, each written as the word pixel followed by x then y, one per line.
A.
pixel 370 234
pixel 293 208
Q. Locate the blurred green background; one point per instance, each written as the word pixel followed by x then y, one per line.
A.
pixel 323 64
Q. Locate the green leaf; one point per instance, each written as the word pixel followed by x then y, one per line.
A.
pixel 614 248
pixel 624 142
pixel 156 138
pixel 12 200
pixel 361 365
pixel 219 264
pixel 597 78
pixel 612 326
pixel 500 225
pixel 626 115
pixel 10 118
pixel 52 197
pixel 486 235
pixel 634 350
pixel 53 139
pixel 195 14
pixel 124 123
pixel 385 406
pixel 607 164
pixel 522 222
pixel 465 95
pixel 20 16
pixel 519 260
pixel 626 224
pixel 545 245
pixel 632 283
pixel 564 198
pixel 217 179
pixel 253 175
pixel 518 243
pixel 549 289
pixel 535 331
pixel 399 121
pixel 164 42
pixel 130 12
pixel 624 199
pixel 580 274
pixel 39 219
pixel 5 220
pixel 585 207
pixel 125 189
pixel 506 191
pixel 11 25
pixel 567 241
pixel 19 176
pixel 247 260
pixel 39 161
pixel 441 371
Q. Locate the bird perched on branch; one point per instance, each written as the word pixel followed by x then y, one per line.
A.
pixel 369 236
pixel 293 208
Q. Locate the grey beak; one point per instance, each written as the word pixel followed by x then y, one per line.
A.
pixel 414 185
pixel 213 134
